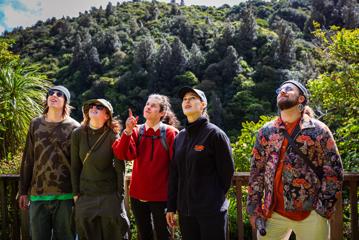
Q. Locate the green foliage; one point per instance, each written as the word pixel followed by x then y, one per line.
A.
pixel 11 166
pixel 21 97
pixel 6 56
pixel 336 91
pixel 242 148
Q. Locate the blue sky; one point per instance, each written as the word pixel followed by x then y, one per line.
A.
pixel 14 13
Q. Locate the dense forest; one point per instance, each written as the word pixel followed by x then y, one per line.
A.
pixel 238 55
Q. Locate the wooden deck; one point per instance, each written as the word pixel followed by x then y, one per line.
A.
pixel 14 223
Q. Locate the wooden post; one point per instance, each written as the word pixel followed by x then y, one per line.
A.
pixel 336 221
pixel 239 210
pixel 3 200
pixel 354 208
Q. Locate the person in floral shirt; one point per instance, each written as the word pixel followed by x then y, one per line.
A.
pixel 293 186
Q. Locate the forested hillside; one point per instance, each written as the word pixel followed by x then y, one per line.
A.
pixel 238 55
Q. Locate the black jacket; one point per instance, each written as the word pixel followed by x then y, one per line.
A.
pixel 201 170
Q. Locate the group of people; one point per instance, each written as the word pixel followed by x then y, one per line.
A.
pixel 72 174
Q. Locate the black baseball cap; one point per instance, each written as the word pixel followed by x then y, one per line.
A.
pixel 198 92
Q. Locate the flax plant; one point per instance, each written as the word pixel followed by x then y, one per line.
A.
pixel 22 92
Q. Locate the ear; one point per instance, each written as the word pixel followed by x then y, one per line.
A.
pixel 301 99
pixel 204 105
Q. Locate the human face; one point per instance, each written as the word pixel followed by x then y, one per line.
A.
pixel 192 105
pixel 152 110
pixel 98 113
pixel 55 99
pixel 288 96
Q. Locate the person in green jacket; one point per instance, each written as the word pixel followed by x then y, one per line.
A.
pixel 97 178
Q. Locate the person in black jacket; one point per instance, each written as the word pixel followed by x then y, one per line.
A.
pixel 201 171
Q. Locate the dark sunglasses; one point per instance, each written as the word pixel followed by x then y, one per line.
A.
pixel 284 89
pixel 58 93
pixel 98 106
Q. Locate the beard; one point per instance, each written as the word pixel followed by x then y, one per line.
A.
pixel 287 103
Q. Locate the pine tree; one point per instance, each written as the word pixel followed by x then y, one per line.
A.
pixel 285 50
pixel 144 53
pixel 162 71
pixel 196 60
pixel 247 34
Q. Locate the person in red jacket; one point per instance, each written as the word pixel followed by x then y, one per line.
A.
pixel 150 146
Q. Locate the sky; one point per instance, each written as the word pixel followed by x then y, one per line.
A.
pixel 15 13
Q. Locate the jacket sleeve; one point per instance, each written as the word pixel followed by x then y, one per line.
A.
pixel 125 148
pixel 332 180
pixel 223 159
pixel 173 182
pixel 120 169
pixel 170 136
pixel 27 163
pixel 256 178
pixel 76 163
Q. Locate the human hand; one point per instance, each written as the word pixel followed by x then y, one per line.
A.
pixel 23 202
pixel 131 122
pixel 171 219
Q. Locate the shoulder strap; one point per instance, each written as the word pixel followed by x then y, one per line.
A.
pixel 163 129
pixel 141 131
pixel 163 137
pixel 316 170
pixel 93 147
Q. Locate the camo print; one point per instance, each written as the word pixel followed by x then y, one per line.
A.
pixel 45 168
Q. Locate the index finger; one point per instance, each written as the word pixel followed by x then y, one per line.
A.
pixel 130 112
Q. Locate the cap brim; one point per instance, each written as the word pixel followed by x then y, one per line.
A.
pixel 185 90
pixel 87 103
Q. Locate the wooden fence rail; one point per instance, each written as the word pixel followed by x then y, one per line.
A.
pixel 14 223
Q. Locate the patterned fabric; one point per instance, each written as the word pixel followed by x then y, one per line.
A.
pixel 302 188
pixel 45 167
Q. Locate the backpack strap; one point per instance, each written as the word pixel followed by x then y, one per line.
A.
pixel 141 132
pixel 317 170
pixel 163 129
pixel 163 137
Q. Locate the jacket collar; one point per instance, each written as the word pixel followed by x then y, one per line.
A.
pixel 305 122
pixel 196 125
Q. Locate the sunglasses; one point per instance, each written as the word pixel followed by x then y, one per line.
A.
pixel 58 93
pixel 284 89
pixel 98 106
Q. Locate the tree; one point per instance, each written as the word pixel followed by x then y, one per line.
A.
pixel 335 93
pixel 6 56
pixel 21 96
pixel 179 57
pixel 285 51
pixel 242 148
pixel 196 60
pixel 144 53
pixel 247 33
pixel 162 71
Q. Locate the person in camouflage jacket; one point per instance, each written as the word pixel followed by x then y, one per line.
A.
pixel 298 184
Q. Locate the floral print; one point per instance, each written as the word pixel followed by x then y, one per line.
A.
pixel 303 190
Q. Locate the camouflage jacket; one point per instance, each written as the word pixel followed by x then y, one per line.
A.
pixel 303 190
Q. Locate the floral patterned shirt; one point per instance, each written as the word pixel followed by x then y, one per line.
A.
pixel 303 190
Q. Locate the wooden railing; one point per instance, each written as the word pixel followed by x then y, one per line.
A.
pixel 14 223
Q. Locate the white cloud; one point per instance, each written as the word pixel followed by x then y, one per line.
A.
pixel 43 9
pixel 14 17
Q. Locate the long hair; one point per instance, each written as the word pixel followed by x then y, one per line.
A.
pixel 165 106
pixel 111 122
pixel 66 111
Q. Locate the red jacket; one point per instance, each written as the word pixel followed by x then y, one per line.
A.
pixel 149 180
